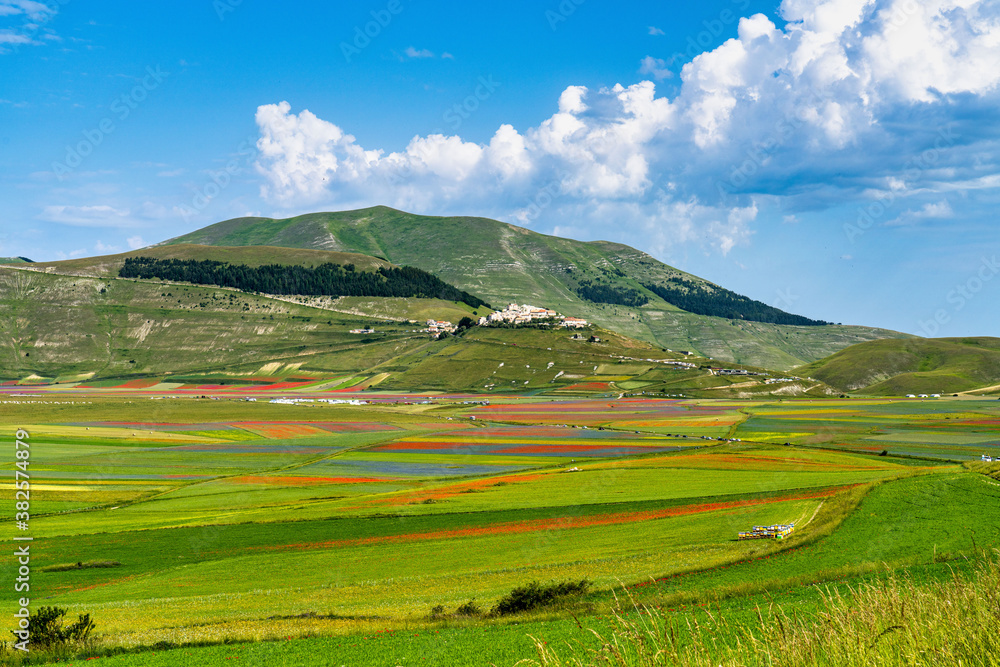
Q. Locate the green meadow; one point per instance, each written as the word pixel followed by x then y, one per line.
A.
pixel 197 531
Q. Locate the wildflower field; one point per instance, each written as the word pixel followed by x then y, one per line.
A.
pixel 356 531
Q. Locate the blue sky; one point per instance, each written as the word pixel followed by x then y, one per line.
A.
pixel 835 158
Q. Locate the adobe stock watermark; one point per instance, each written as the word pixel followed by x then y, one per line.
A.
pixel 122 107
pixel 461 112
pixel 364 34
pixel 223 7
pixel 869 215
pixel 899 14
pixel 221 179
pixel 758 155
pixel 714 29
pixel 960 296
pixel 543 198
pixel 562 12
pixel 786 299
pixel 22 516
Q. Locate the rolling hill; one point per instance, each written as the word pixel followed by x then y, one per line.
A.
pixel 896 367
pixel 503 263
pixel 81 320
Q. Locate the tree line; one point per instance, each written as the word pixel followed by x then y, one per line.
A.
pixel 620 296
pixel 720 302
pixel 323 280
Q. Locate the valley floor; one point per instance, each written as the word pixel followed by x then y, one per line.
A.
pixel 355 532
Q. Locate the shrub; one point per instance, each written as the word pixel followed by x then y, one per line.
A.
pixel 46 626
pixel 534 595
pixel 470 608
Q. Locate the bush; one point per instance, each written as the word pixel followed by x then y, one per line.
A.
pixel 470 608
pixel 46 626
pixel 534 595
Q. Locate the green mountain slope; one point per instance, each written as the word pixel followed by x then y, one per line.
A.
pixel 58 325
pixel 895 367
pixel 503 263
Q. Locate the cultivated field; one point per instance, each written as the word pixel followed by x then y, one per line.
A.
pixel 184 515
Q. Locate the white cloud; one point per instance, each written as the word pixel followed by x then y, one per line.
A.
pixel 930 211
pixel 655 67
pixel 412 52
pixel 11 37
pixel 820 109
pixel 656 32
pixel 87 216
pixel 32 16
pixel 104 249
pixel 135 242
pixel 35 11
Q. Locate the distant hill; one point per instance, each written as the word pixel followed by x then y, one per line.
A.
pixel 616 286
pixel 914 366
pixel 15 260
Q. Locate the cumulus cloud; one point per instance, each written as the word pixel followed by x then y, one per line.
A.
pixel 850 98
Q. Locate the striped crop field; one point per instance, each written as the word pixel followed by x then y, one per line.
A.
pixel 532 441
pixel 959 430
pixel 189 520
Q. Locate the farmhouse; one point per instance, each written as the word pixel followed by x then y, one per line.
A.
pixel 439 326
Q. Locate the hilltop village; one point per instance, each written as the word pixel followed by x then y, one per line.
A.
pixel 513 315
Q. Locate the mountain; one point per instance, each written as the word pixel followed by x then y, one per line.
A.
pixel 503 263
pixel 915 366
pixel 15 260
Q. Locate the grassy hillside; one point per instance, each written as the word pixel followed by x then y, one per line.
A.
pixel 63 326
pixel 68 329
pixel 892 367
pixel 15 260
pixel 503 263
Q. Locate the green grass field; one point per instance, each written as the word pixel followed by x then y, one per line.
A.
pixel 336 529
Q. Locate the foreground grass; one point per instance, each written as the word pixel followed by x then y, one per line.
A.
pixel 891 622
pixel 940 613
